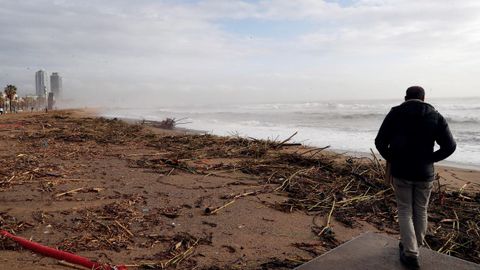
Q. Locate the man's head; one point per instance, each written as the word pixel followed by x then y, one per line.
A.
pixel 415 92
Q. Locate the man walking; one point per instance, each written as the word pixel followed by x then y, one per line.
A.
pixel 406 139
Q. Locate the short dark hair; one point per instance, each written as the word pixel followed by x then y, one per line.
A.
pixel 415 92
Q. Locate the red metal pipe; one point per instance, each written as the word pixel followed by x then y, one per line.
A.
pixel 60 255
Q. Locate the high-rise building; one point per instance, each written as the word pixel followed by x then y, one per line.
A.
pixel 41 83
pixel 56 84
pixel 50 100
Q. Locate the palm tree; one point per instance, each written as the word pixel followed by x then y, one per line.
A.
pixel 10 92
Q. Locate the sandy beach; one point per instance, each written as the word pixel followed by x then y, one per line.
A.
pixel 126 193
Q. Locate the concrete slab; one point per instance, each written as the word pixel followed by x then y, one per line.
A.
pixel 378 252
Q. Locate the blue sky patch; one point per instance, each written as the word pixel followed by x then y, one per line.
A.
pixel 343 3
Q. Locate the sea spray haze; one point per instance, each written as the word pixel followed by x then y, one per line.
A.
pixel 344 125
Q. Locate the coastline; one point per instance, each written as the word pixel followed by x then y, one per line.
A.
pixel 366 153
pixel 452 174
pixel 345 125
pixel 70 178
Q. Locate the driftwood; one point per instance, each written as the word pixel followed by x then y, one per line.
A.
pixel 167 123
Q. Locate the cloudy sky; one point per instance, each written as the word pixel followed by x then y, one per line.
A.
pixel 155 52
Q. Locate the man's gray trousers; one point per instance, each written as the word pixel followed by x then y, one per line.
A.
pixel 412 202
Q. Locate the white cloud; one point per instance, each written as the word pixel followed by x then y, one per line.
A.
pixel 178 52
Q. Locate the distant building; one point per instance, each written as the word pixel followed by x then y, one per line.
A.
pixel 41 83
pixel 51 101
pixel 56 84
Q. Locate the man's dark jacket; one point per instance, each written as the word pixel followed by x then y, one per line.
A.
pixel 407 137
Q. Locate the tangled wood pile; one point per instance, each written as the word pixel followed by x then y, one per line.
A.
pixel 349 190
pixel 346 189
pixel 100 130
pixel 211 146
pixel 354 190
pixel 167 123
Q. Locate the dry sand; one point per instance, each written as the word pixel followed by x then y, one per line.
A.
pixel 161 213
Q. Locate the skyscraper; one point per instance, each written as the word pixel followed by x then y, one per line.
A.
pixel 40 83
pixel 56 84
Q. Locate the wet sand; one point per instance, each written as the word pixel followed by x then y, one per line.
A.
pixel 92 187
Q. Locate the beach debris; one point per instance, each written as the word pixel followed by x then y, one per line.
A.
pixel 284 142
pixel 327 227
pixel 181 248
pixel 69 192
pixel 167 123
pixel 348 190
pixel 314 248
pixel 287 263
pixel 212 211
pixel 170 212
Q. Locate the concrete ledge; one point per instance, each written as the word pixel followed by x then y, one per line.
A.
pixel 378 252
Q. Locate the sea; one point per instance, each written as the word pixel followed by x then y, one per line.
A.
pixel 345 126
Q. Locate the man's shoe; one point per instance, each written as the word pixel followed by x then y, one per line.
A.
pixel 409 261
